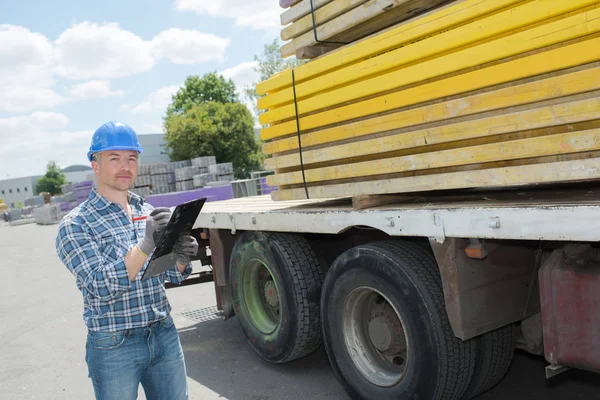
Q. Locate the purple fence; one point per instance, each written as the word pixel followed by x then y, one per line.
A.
pixel 173 199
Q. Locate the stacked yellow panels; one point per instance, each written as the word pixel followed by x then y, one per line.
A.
pixel 482 93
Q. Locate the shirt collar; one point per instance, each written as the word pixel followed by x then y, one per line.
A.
pixel 100 202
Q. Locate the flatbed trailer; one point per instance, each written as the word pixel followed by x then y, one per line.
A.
pixel 424 296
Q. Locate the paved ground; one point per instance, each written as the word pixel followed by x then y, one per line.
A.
pixel 42 342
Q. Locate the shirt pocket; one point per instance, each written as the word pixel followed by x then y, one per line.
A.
pixel 114 247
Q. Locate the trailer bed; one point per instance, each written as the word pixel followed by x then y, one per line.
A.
pixel 557 214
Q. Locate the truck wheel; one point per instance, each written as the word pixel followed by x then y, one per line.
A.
pixel 385 327
pixel 276 284
pixel 495 351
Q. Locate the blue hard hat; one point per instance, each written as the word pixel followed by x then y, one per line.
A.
pixel 114 136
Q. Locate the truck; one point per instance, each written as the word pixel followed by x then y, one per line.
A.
pixel 422 298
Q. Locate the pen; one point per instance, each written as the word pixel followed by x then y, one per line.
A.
pixel 139 218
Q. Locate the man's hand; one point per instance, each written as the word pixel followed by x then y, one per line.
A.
pixel 155 227
pixel 186 248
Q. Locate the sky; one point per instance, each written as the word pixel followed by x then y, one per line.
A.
pixel 68 66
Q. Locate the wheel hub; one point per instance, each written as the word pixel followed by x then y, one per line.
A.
pixel 386 333
pixel 271 294
pixel 374 336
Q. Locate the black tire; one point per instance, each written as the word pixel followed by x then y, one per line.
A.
pixel 295 271
pixel 495 351
pixel 438 365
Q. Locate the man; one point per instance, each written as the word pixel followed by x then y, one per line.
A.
pixel 105 244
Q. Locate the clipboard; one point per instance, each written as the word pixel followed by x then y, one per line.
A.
pixel 181 223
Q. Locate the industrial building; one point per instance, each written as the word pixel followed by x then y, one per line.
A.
pixel 77 173
pixel 17 190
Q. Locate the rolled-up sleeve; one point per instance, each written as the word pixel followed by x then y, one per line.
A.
pixel 80 254
pixel 175 276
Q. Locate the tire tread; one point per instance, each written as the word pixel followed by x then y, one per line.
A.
pixel 495 352
pixel 306 272
pixel 457 367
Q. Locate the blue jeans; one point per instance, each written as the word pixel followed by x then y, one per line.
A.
pixel 119 361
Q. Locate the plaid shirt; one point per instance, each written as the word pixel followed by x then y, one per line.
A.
pixel 92 242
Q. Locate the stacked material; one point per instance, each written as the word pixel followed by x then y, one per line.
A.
pixel 316 27
pixel 202 180
pixel 478 94
pixel 204 162
pixel 65 207
pixel 35 201
pixel 141 191
pixel 15 214
pixel 181 186
pixel 143 180
pixel 47 215
pixel 57 199
pixel 223 172
pixel 82 191
pixel 66 188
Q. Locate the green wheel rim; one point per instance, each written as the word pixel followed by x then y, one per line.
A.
pixel 261 296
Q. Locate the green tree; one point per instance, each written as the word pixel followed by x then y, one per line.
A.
pixel 268 64
pixel 224 130
pixel 52 181
pixel 198 90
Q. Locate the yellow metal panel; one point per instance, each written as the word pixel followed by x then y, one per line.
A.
pixel 435 22
pixel 545 35
pixel 587 140
pixel 553 60
pixel 555 172
pixel 559 114
pixel 467 34
pixel 545 89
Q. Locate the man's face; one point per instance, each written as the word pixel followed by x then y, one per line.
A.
pixel 116 169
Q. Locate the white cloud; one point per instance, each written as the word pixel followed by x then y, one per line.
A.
pixel 25 57
pixel 156 101
pixel 19 98
pixel 88 50
pixel 26 60
pixel 189 46
pixel 43 134
pixel 31 125
pixel 242 74
pixel 255 14
pixel 94 90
